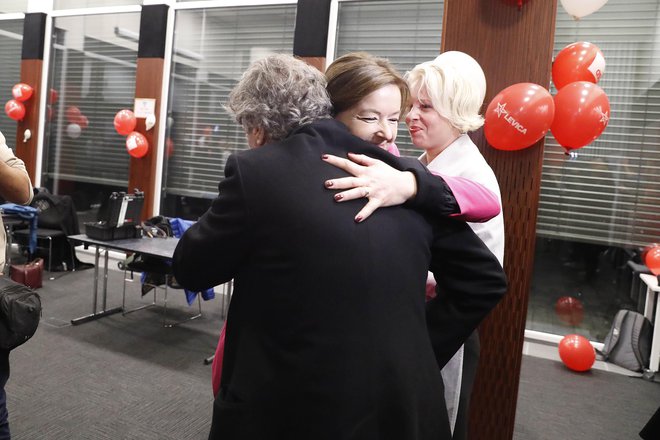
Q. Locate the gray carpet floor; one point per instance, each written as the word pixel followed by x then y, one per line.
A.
pixel 556 403
pixel 128 377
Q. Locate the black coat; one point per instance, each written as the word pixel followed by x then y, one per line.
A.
pixel 327 330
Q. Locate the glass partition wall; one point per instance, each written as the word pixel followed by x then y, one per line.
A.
pixel 597 211
pixel 92 76
pixel 211 49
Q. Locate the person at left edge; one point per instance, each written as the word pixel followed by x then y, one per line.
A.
pixel 15 187
pixel 311 352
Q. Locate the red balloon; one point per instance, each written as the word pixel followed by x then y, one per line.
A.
pixel 52 98
pixel 518 116
pixel 125 122
pixel 582 112
pixel 652 260
pixel 73 114
pixel 136 144
pixel 577 353
pixel 579 61
pixel 83 121
pixel 22 92
pixel 569 310
pixel 646 250
pixel 15 110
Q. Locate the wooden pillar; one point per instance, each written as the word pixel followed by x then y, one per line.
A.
pixel 311 36
pixel 512 45
pixel 148 85
pixel 32 56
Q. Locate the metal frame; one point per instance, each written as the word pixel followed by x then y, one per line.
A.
pixel 155 287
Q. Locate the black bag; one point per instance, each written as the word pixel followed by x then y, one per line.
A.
pixel 20 311
pixel 628 344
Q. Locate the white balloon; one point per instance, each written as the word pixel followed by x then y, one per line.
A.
pixel 581 8
pixel 73 130
pixel 150 121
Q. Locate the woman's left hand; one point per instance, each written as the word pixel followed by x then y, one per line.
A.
pixel 373 179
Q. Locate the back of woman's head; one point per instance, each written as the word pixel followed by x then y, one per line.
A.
pixel 456 86
pixel 352 77
pixel 278 94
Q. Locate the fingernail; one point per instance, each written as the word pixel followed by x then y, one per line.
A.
pixel 338 197
pixel 328 183
pixel 325 156
pixel 358 219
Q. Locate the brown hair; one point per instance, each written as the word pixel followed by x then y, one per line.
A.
pixel 353 76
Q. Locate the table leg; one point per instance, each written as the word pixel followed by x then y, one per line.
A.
pixel 649 304
pixel 104 312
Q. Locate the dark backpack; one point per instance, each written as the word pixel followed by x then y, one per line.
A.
pixel 20 311
pixel 628 344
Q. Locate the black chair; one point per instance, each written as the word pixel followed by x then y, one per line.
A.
pixel 57 219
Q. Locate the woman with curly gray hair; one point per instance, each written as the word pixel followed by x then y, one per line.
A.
pixel 265 112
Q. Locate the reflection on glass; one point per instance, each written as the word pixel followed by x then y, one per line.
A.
pixel 211 50
pixel 92 77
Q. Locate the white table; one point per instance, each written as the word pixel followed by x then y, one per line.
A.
pixel 652 302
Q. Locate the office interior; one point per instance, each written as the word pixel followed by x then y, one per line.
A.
pixel 576 225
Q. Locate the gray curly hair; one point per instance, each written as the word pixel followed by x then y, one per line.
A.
pixel 278 94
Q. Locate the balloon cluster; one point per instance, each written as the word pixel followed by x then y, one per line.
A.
pixel 520 115
pixel 583 109
pixel 136 144
pixel 77 121
pixel 14 108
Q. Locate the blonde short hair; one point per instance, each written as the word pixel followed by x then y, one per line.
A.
pixel 456 86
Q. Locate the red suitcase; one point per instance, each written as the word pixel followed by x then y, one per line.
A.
pixel 29 274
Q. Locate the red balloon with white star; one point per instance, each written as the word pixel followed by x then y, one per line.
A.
pixel 518 116
pixel 582 113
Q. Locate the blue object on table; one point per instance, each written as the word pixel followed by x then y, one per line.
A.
pixel 27 213
pixel 179 226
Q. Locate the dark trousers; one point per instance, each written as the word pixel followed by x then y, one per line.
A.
pixel 652 428
pixel 4 414
pixel 470 364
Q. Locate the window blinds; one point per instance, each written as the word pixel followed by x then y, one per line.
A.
pixel 211 49
pixel 610 194
pixel 92 70
pixel 11 40
pixel 407 32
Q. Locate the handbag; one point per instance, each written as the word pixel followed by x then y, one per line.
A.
pixel 20 312
pixel 29 274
